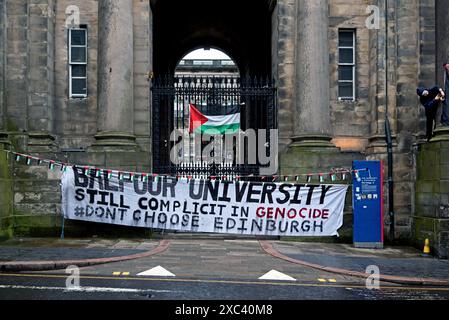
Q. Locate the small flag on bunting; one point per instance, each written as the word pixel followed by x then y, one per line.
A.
pixel 333 175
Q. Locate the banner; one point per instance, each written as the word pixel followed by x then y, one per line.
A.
pixel 229 207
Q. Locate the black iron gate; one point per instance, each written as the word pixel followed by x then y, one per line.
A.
pixel 171 98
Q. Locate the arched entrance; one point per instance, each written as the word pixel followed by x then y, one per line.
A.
pixel 242 30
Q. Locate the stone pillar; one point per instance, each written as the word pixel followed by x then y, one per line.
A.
pixel 3 38
pixel 442 48
pixel 431 216
pixel 6 197
pixel 283 52
pixel 442 34
pixel 312 125
pixel 40 82
pixel 115 75
pixel 311 149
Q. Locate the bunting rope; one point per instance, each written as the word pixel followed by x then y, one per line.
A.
pixel 335 174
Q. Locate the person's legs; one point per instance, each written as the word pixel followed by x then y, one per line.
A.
pixel 431 114
pixel 429 126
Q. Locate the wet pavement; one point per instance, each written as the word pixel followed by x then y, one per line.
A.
pixel 217 269
pixel 215 259
pixel 40 249
pixel 397 261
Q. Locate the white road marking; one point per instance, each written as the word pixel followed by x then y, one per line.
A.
pixel 276 275
pixel 84 289
pixel 157 272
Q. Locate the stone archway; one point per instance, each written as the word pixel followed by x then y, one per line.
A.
pixel 240 28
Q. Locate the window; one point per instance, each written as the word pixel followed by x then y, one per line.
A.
pixel 346 65
pixel 78 63
pixel 203 62
pixel 227 63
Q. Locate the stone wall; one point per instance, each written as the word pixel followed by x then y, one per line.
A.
pixel 76 119
pixel 16 52
pixel 41 119
pixel 407 111
pixel 5 175
pixel 6 196
pixel 431 214
pixel 350 120
pixel 283 51
pixel 431 217
pixel 37 199
pixel 404 70
pixel 2 62
pixel 142 68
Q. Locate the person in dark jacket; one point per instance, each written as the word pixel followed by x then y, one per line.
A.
pixel 430 99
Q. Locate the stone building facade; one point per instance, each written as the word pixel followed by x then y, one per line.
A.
pixel 294 41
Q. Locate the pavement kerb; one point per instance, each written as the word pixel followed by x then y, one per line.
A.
pixel 62 264
pixel 269 249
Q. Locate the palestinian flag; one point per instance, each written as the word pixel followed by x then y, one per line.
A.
pixel 228 123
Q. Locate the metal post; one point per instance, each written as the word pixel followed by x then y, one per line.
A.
pixel 388 137
pixel 390 178
pixel 62 228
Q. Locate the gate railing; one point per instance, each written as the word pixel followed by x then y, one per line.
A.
pixel 171 97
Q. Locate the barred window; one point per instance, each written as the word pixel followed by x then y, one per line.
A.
pixel 78 62
pixel 346 65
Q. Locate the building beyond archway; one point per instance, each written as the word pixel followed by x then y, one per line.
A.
pixel 214 87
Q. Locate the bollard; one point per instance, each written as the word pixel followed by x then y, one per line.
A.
pixel 426 250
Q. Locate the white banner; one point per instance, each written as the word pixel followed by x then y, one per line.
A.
pixel 231 207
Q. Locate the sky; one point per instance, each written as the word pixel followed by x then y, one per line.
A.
pixel 211 54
